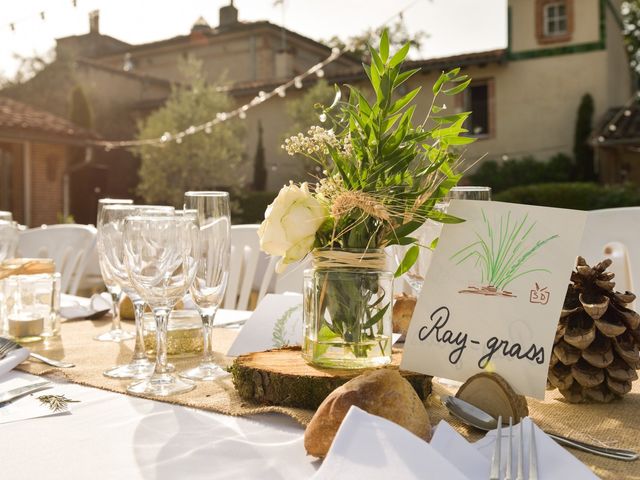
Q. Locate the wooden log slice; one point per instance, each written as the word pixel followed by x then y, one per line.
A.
pixel 493 394
pixel 282 377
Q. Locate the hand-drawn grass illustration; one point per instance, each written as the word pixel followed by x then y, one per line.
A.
pixel 501 254
pixel 279 336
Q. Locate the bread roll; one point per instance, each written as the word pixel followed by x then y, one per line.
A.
pixel 381 392
pixel 402 312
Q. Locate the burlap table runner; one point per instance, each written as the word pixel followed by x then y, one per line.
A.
pixel 616 424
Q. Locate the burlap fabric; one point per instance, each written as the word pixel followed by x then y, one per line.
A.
pixel 616 424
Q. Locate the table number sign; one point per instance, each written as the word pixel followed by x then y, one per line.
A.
pixel 492 297
pixel 276 323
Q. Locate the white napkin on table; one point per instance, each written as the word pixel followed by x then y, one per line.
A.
pixel 554 461
pixel 450 444
pixel 72 307
pixel 371 447
pixel 13 359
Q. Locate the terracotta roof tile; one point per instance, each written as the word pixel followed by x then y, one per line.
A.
pixel 27 121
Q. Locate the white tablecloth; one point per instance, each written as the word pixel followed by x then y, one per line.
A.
pixel 114 436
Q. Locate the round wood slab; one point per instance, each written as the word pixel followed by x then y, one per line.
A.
pixel 493 394
pixel 282 377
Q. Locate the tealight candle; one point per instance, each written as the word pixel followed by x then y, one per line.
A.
pixel 25 325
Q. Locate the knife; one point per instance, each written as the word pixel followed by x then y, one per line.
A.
pixel 20 391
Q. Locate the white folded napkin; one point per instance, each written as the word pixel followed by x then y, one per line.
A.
pixel 371 447
pixel 554 461
pixel 72 307
pixel 13 358
pixel 453 446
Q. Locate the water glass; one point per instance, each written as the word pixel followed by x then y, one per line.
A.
pixel 8 239
pixel 469 193
pixel 160 258
pixel 112 220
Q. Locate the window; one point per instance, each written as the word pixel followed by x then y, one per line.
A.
pixel 478 102
pixel 555 19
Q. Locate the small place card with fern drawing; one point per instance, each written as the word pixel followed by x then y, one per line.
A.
pixel 275 323
pixel 493 293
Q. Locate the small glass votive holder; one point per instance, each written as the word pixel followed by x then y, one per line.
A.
pixel 31 306
pixel 184 333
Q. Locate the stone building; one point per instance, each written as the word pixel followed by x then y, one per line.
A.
pixel 35 160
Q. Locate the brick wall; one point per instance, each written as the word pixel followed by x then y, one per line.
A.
pixel 48 163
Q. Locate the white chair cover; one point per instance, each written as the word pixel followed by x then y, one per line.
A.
pixel 68 245
pixel 614 233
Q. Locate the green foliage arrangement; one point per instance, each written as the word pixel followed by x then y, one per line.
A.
pixel 384 172
pixel 200 162
pixel 577 196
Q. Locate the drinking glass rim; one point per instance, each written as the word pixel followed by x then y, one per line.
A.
pixel 133 206
pixel 115 201
pixel 204 193
pixel 471 188
pixel 154 218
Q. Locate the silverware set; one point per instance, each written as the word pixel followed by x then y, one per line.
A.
pixel 7 346
pixel 472 415
pixel 496 460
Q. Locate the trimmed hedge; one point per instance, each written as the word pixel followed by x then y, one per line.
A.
pixel 251 206
pixel 577 196
pixel 524 171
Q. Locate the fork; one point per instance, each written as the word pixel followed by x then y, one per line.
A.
pixel 497 450
pixel 7 346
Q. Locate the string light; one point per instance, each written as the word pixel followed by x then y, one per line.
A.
pixel 240 112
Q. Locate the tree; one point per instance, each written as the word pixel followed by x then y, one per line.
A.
pixel 398 36
pixel 259 167
pixel 303 114
pixel 582 151
pixel 203 161
pixel 79 109
pixel 631 30
pixel 28 67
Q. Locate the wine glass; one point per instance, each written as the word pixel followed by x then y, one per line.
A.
pixel 113 218
pixel 8 239
pixel 160 257
pixel 116 334
pixel 207 290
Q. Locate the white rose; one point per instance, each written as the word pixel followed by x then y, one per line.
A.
pixel 290 224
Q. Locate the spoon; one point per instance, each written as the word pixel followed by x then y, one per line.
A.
pixel 472 415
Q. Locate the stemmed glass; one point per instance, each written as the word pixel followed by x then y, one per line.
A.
pixel 207 290
pixel 161 263
pixel 8 239
pixel 113 218
pixel 116 334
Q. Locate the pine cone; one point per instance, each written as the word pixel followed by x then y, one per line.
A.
pixel 595 352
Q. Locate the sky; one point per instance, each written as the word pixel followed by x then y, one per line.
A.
pixel 453 26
